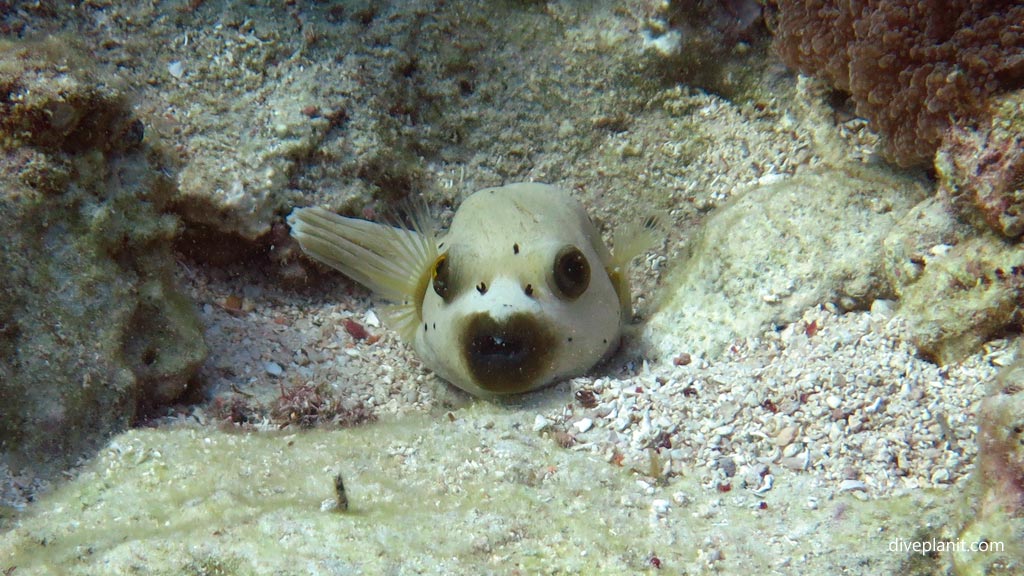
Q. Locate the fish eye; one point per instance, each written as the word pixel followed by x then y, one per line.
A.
pixel 442 277
pixel 571 272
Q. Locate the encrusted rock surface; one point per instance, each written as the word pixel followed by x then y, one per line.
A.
pixel 981 169
pixel 996 511
pixel 925 233
pixel 966 295
pixel 778 249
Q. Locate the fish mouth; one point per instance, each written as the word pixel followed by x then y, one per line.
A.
pixel 509 355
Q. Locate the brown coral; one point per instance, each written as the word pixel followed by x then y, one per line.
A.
pixel 911 66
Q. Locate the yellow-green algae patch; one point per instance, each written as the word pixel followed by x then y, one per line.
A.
pixel 479 492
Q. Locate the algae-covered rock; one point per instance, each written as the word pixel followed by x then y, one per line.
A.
pixel 91 323
pixel 955 261
pixel 779 249
pixel 964 296
pixel 958 288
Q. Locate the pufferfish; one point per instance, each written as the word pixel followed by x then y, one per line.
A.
pixel 519 293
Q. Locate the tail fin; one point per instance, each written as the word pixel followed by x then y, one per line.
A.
pixel 392 262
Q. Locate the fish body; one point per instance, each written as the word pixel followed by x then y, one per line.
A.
pixel 520 292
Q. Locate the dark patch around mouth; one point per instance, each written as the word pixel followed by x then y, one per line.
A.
pixel 509 355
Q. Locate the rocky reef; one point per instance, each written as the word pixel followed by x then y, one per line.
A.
pixel 955 261
pixel 716 45
pixel 763 402
pixel 928 82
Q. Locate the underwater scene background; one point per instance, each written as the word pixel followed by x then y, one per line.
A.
pixel 823 371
